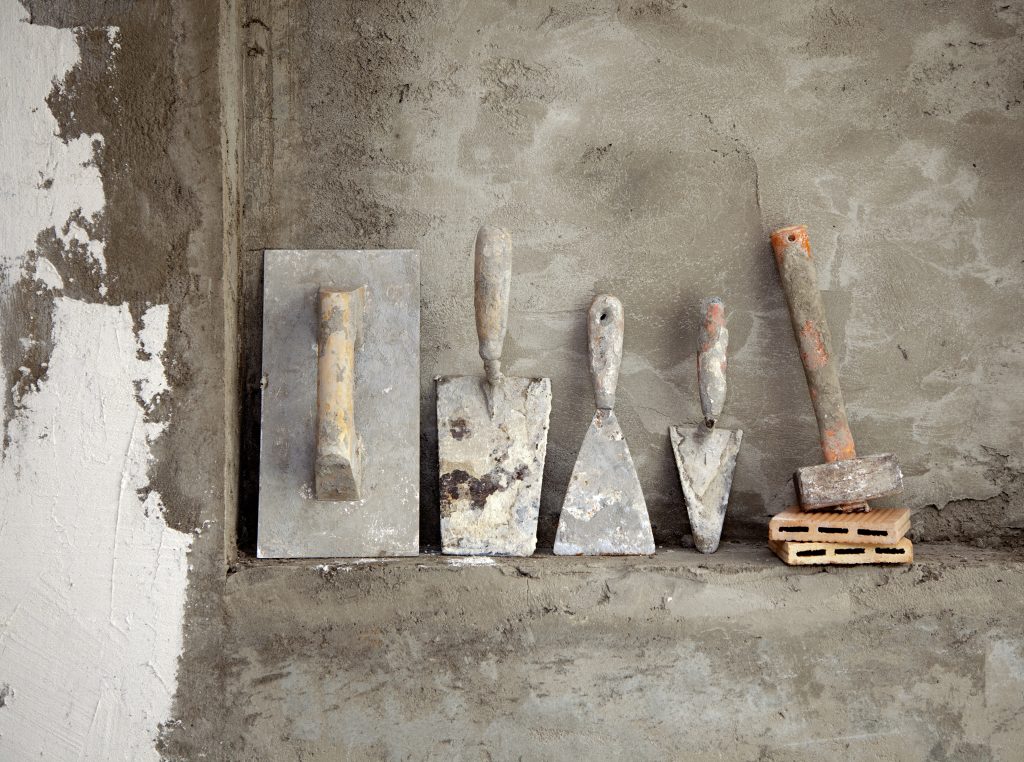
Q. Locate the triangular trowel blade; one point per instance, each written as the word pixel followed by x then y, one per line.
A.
pixel 706 459
pixel 604 512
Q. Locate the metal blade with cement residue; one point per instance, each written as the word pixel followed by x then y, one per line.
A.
pixel 491 467
pixel 604 512
pixel 492 432
pixel 707 460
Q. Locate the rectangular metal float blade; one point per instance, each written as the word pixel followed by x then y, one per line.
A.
pixel 385 522
pixel 491 467
pixel 706 459
pixel 604 512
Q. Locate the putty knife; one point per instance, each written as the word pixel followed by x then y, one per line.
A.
pixel 492 432
pixel 604 512
pixel 705 455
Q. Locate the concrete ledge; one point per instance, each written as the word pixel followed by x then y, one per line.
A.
pixel 731 656
pixel 732 556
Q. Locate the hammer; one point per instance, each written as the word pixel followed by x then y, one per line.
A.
pixel 843 482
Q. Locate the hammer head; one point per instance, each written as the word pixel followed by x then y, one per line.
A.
pixel 848 484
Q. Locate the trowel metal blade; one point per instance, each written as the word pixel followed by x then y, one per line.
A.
pixel 604 512
pixel 706 459
pixel 491 467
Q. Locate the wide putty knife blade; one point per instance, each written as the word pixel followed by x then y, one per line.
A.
pixel 604 512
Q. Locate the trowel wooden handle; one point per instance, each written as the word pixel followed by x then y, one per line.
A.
pixel 605 326
pixel 800 282
pixel 712 362
pixel 492 273
pixel 338 467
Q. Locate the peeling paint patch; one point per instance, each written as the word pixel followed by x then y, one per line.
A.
pixel 47 185
pixel 92 611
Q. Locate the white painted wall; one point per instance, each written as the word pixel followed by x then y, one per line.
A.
pixel 92 580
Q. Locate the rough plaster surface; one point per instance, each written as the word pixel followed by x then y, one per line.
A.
pixel 737 658
pixel 93 579
pixel 111 361
pixel 612 126
pixel 647 148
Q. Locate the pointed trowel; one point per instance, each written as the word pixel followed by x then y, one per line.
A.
pixel 705 455
pixel 604 512
pixel 492 432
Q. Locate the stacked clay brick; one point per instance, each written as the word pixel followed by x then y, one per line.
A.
pixel 878 536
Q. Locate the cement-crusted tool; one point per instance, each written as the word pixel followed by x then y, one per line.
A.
pixel 339 442
pixel 604 512
pixel 492 432
pixel 705 455
pixel 844 482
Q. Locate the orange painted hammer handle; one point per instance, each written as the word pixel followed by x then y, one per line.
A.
pixel 800 282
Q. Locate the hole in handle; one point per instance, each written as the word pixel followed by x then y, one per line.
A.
pixel 604 316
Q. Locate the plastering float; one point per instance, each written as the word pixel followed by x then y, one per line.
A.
pixel 339 443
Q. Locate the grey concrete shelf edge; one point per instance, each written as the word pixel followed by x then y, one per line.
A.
pixel 732 558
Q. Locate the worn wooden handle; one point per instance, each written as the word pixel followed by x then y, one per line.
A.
pixel 338 466
pixel 492 273
pixel 712 362
pixel 800 282
pixel 605 328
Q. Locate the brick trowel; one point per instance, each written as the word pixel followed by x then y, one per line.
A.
pixel 604 512
pixel 706 455
pixel 492 432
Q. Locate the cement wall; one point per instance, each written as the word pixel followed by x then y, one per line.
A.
pixel 152 150
pixel 646 149
pixel 734 658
